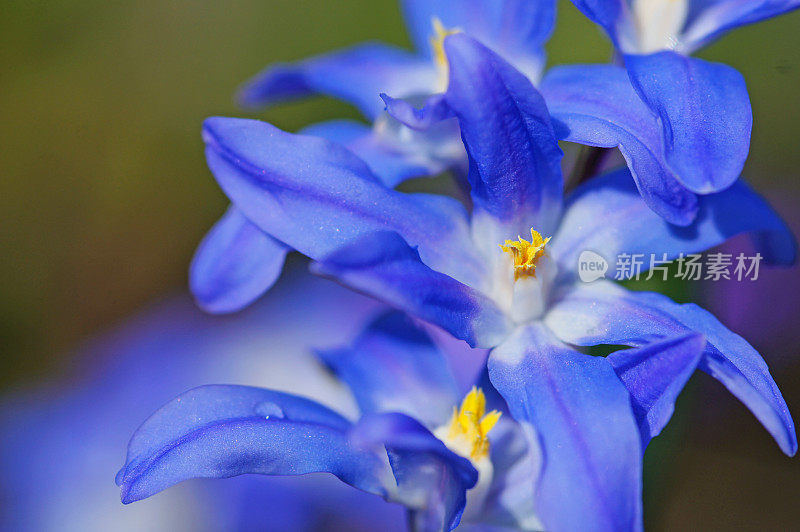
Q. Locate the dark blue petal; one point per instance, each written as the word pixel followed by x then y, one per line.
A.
pixel 516 29
pixel 705 116
pixel 234 265
pixel 604 313
pixel 392 162
pixel 385 266
pixel 224 431
pixel 435 110
pixel 654 375
pixel 606 216
pixel 592 471
pixel 514 157
pixel 430 478
pixel 596 105
pixel 315 195
pixel 356 75
pixel 710 19
pixel 394 366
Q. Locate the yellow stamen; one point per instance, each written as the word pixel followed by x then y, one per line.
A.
pixel 526 254
pixel 440 33
pixel 469 425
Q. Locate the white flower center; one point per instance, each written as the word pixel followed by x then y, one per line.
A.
pixel 659 23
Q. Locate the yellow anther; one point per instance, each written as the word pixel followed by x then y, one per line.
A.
pixel 526 254
pixel 440 33
pixel 469 425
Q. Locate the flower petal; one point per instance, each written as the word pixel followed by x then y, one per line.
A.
pixel 592 472
pixel 514 158
pixel 224 431
pixel 384 266
pixel 394 366
pixel 356 75
pixel 596 105
pixel 516 29
pixel 705 116
pixel 516 459
pixel 515 170
pixel 434 110
pixel 714 18
pixel 315 195
pixel 611 15
pixel 431 479
pixel 654 375
pixel 392 162
pixel 606 216
pixel 234 265
pixel 604 313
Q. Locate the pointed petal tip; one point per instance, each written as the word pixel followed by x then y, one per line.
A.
pixel 120 475
pixel 791 449
pixel 126 498
pixel 787 442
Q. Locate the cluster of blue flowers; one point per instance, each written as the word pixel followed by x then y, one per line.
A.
pixel 550 437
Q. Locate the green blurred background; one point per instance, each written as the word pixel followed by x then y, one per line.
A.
pixel 105 192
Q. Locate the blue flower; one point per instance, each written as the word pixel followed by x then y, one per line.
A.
pixel 449 464
pixel 236 263
pixel 703 107
pixel 682 124
pixel 472 275
pixel 516 29
pixel 59 444
pixel 222 431
pixel 648 26
pixel 673 150
pixel 675 146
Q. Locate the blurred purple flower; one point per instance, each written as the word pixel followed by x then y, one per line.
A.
pixel 61 444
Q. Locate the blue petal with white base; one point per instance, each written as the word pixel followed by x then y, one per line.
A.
pixel 683 25
pixel 712 19
pixel 315 195
pixel 591 476
pixel 384 265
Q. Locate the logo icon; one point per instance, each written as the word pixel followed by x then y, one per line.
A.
pixel 591 266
